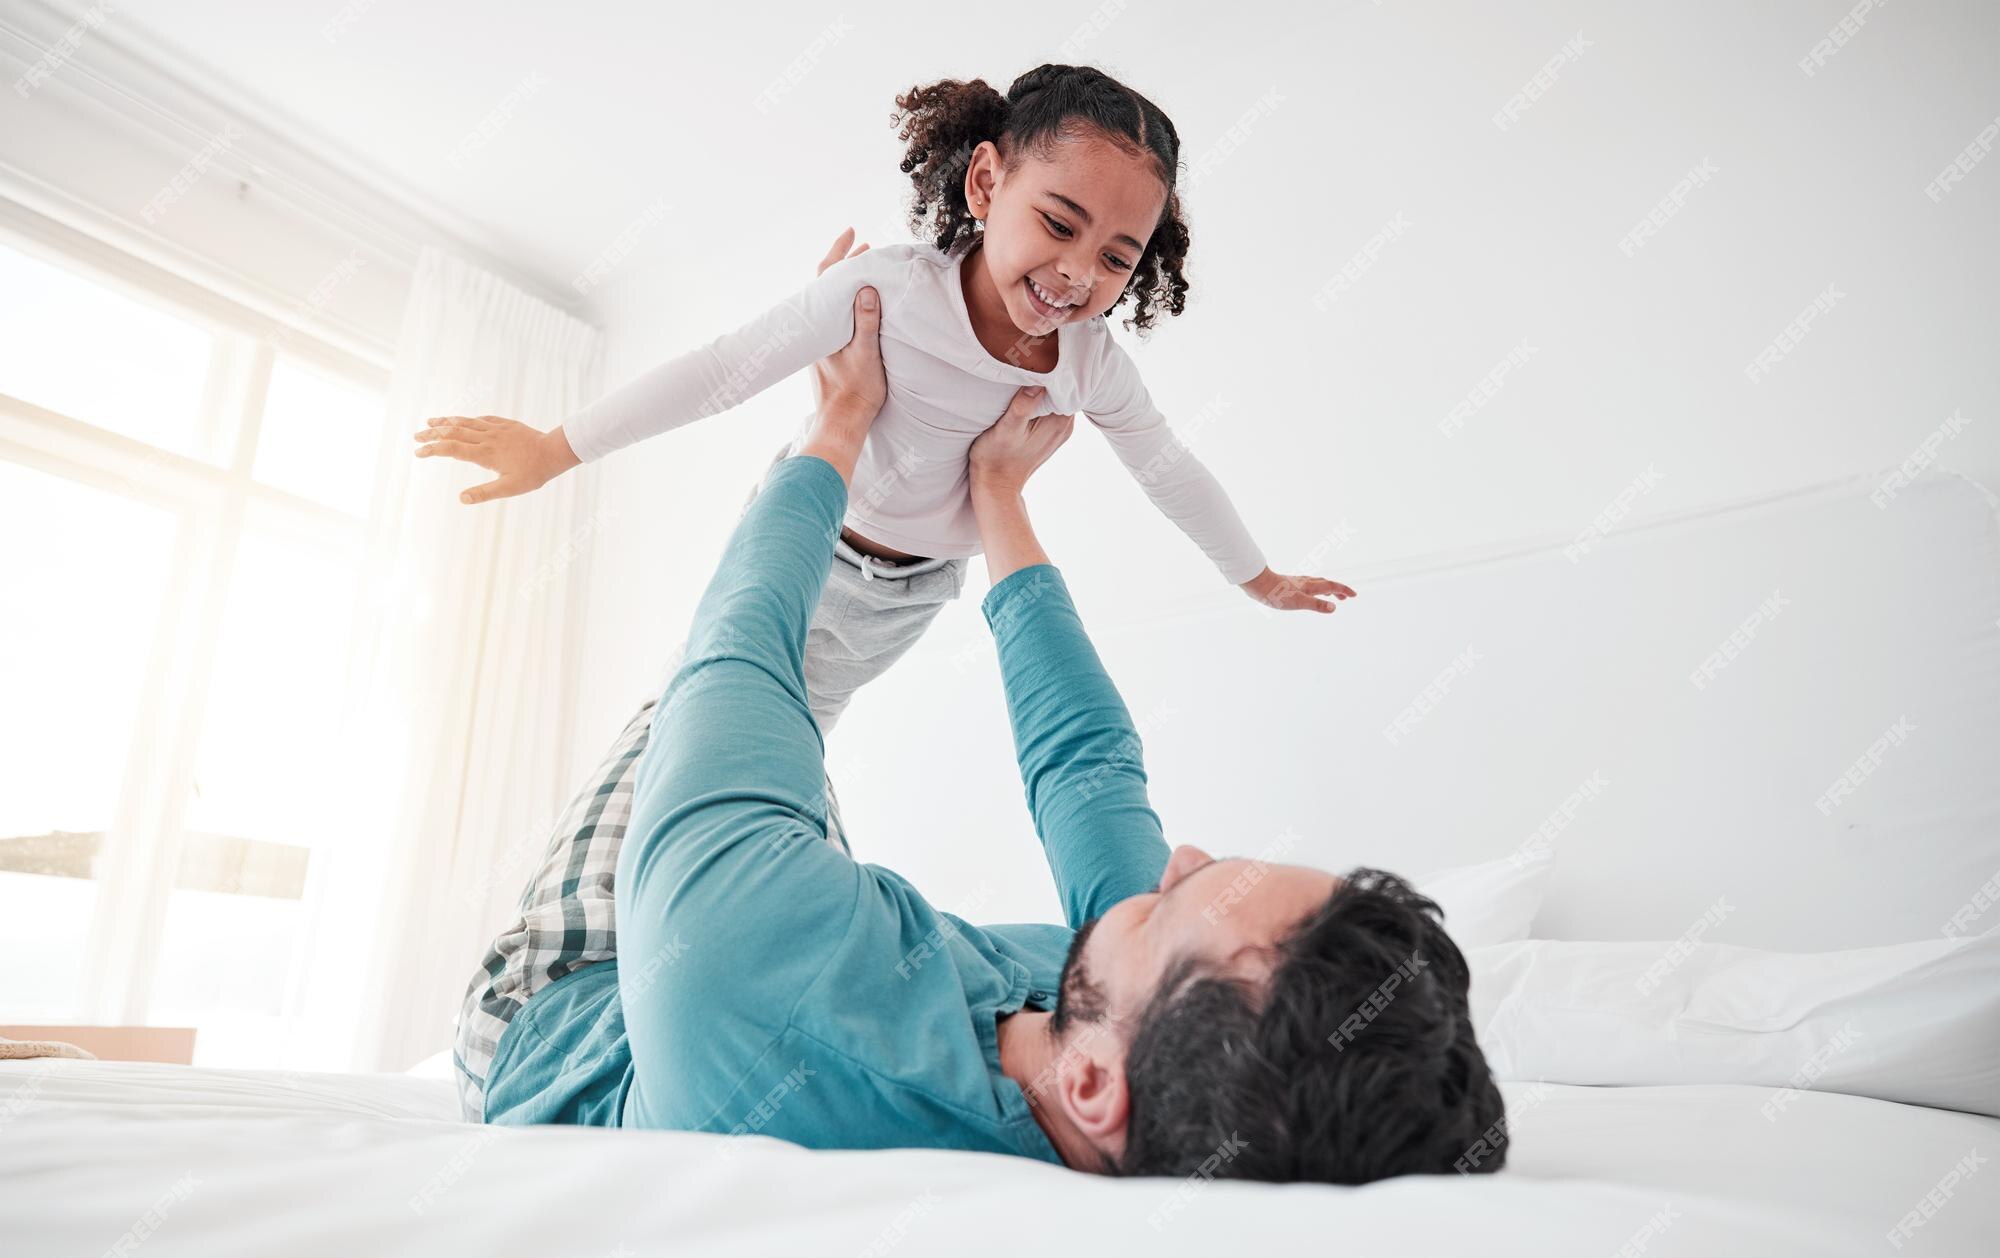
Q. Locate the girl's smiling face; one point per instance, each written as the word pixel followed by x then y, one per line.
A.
pixel 1064 230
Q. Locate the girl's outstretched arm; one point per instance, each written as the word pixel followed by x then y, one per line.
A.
pixel 730 369
pixel 1187 493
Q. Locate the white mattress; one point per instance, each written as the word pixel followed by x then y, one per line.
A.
pixel 249 1162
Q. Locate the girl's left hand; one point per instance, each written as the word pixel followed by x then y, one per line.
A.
pixel 1295 594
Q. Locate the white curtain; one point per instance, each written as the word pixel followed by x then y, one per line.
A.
pixel 463 690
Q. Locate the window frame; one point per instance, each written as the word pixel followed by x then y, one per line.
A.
pixel 210 501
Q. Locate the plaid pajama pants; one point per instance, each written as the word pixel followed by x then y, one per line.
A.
pixel 870 613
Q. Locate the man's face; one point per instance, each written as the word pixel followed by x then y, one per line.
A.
pixel 1228 913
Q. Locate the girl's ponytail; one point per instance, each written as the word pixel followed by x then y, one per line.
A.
pixel 943 122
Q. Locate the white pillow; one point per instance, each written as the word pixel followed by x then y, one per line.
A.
pixel 1917 1023
pixel 1493 902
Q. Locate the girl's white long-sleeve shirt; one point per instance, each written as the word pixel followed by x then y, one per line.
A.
pixel 911 488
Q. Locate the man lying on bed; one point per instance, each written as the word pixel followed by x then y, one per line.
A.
pixel 1222 1017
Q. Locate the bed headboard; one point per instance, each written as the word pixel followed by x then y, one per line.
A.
pixel 1779 716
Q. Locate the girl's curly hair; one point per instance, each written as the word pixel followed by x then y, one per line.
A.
pixel 943 122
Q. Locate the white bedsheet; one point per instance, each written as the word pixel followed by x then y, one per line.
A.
pixel 260 1163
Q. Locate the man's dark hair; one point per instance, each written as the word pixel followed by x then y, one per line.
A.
pixel 1354 1061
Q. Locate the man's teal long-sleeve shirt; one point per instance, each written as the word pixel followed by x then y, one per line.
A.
pixel 768 983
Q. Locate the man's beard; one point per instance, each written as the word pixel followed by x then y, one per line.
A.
pixel 1078 999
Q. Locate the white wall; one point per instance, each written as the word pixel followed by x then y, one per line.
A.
pixel 1325 423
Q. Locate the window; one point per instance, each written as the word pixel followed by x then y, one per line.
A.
pixel 84 350
pixel 184 489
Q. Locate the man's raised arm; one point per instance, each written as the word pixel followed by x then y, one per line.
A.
pixel 729 805
pixel 1080 757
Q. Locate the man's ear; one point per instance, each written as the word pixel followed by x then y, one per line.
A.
pixel 1092 1087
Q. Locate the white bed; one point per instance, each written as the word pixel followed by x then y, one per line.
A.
pixel 1898 610
pixel 245 1162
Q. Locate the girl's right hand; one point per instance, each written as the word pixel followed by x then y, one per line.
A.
pixel 525 458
